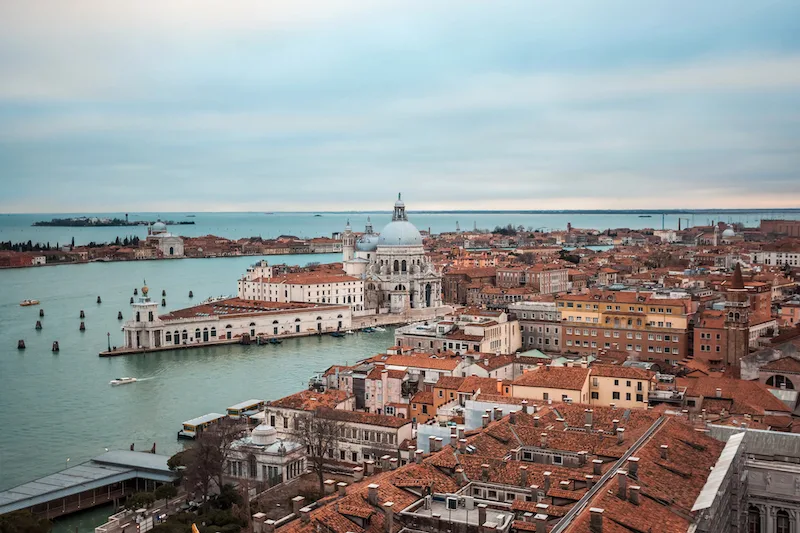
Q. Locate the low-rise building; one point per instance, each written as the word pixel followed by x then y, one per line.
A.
pixel 539 323
pixel 472 330
pixel 555 384
pixel 263 458
pixel 621 386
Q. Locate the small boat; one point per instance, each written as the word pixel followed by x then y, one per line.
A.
pixel 379 329
pixel 337 334
pixel 368 330
pixel 317 215
pixel 275 341
pixel 350 332
pixel 26 303
pixel 189 216
pixel 121 381
pixel 645 216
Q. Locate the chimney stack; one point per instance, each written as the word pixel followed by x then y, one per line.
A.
pixel 597 467
pixel 269 526
pixel 439 444
pixel 372 493
pixel 596 520
pixel 588 428
pixel 342 489
pixel 719 392
pixel 393 463
pixel 418 456
pixel 258 522
pixel 613 407
pixel 622 481
pixel 432 443
pixel 358 474
pixel 482 513
pixel 664 450
pixel 523 474
pixel 525 406
pixel 485 472
pixel 454 441
pixel 461 478
pixel 541 523
pixel 370 466
pixel 305 514
pixel 547 476
pixel 512 417
pixel 385 465
pixel 620 435
pixel 616 424
pixel 462 445
pixel 330 486
pixel 461 432
pixel 543 440
pixel 389 515
pixel 498 413
pixel 536 421
pixel 589 414
pixel 589 480
pixel 633 466
pixel 634 494
pixel 298 502
pixel 485 420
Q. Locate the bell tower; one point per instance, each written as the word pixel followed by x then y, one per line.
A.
pixel 737 318
pixel 348 243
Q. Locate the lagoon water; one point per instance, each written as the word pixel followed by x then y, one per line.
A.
pixel 57 407
pixel 17 228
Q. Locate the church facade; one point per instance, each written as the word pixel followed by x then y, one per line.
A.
pixel 398 277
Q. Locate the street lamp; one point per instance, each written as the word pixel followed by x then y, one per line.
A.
pixel 109 342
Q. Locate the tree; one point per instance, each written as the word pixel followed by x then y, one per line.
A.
pixel 207 462
pixel 140 500
pixel 319 433
pixel 165 492
pixel 24 522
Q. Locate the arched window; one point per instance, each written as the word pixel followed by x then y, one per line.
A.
pixel 197 333
pixel 213 332
pixel 171 250
pixel 780 382
pixel 782 522
pixel 150 316
pixel 319 318
pixel 340 316
pixel 396 265
pixel 274 321
pixel 403 266
pixel 184 335
pixel 753 520
pixel 297 320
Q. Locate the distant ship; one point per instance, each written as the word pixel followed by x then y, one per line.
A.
pixel 317 215
pixel 189 216
pixel 645 216
pixel 270 213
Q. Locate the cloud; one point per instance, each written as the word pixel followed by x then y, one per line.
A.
pixel 337 105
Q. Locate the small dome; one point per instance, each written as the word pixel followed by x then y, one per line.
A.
pixel 159 227
pixel 264 434
pixel 728 232
pixel 400 233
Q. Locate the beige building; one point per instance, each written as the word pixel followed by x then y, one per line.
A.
pixel 553 384
pixel 622 386
pixel 471 331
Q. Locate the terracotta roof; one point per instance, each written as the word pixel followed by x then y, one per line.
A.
pixel 372 419
pixel 784 364
pixel 449 382
pixel 308 400
pixel 554 377
pixel 624 372
pixel 738 396
pixel 236 307
pixel 422 362
pixel 425 397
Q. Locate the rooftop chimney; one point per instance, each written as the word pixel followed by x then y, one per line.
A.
pixel 596 520
pixel 454 440
pixel 461 432
pixel 664 450
pixel 393 463
pixel 620 435
pixel 498 413
pixel 541 523
pixel 588 428
pixel 634 494
pixel 524 407
pixel 385 465
pixel 616 424
pixel 298 502
pixel 523 474
pixel 482 513
pixel 485 472
pixel 512 417
pixel 342 487
pixel 589 414
pixel 370 466
pixel 589 480
pixel 613 407
pixel 432 443
pixel 389 515
pixel 485 420
pixel 269 526
pixel 536 421
pixel 622 481
pixel 719 392
pixel 358 474
pixel 462 445
pixel 330 486
pixel 633 466
pixel 547 476
pixel 258 522
pixel 543 440
pixel 305 514
pixel 597 467
pixel 418 456
pixel 439 444
pixel 372 493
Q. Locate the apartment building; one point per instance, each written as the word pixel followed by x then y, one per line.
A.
pixel 649 325
pixel 473 330
pixel 325 287
pixel 553 384
pixel 540 325
pixel 621 386
pixel 544 278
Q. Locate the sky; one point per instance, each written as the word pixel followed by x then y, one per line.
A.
pixel 302 105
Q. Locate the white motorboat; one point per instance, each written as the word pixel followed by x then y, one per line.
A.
pixel 121 381
pixel 378 328
pixel 349 332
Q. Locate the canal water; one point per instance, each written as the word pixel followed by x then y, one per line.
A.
pixel 57 409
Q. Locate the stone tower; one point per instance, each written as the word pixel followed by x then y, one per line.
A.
pixel 348 243
pixel 737 317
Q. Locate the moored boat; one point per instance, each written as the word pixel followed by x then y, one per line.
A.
pixel 26 303
pixel 379 329
pixel 368 330
pixel 121 381
pixel 337 334
pixel 275 341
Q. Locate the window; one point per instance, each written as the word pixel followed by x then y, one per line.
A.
pixel 615 396
pixel 628 396
pixel 616 382
pixel 628 383
pixel 558 460
pixel 545 396
pixel 782 522
pixel 595 396
pixel 753 520
pixel 595 382
pixel 639 397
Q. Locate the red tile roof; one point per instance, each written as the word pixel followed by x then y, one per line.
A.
pixel 554 377
pixel 308 400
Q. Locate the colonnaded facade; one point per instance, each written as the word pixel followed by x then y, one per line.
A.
pixel 398 276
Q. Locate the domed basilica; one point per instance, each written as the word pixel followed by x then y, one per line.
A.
pixel 398 275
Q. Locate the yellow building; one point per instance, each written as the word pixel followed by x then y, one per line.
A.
pixel 625 387
pixel 553 383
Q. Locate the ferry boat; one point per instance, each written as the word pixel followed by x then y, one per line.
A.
pixel 26 303
pixel 121 381
pixel 195 426
pixel 245 409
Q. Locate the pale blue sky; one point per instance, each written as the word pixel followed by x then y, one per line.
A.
pixel 263 105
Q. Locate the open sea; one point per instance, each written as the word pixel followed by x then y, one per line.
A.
pixel 57 409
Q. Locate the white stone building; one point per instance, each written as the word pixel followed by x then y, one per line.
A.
pixel 398 276
pixel 168 244
pixel 264 458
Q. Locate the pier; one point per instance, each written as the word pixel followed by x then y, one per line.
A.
pixel 106 478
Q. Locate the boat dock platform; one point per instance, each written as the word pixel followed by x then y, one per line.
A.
pixel 104 479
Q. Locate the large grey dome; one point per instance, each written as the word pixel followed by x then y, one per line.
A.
pixel 400 233
pixel 368 243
